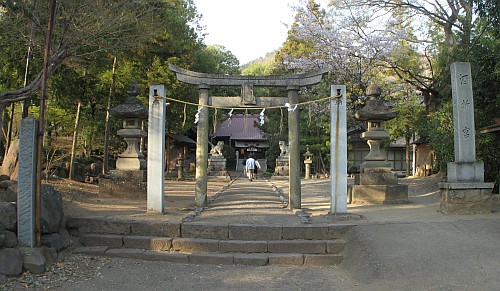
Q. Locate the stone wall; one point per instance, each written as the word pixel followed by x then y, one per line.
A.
pixel 15 258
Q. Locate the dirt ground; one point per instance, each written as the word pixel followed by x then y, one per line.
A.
pixel 416 231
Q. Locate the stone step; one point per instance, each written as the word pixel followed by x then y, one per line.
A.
pixel 219 231
pixel 257 259
pixel 202 245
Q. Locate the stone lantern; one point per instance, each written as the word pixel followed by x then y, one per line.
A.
pixel 129 178
pixel 375 113
pixel 376 183
pixel 307 162
pixel 133 114
pixel 180 166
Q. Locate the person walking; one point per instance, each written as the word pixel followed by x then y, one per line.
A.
pixel 250 167
pixel 256 169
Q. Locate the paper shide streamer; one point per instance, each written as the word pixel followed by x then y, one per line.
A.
pixel 197 115
pixel 287 105
pixel 261 117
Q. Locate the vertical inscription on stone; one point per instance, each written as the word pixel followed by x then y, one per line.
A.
pixel 338 150
pixel 26 183
pixel 463 112
pixel 156 148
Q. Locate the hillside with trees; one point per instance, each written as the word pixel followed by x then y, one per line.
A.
pixel 406 47
pixel 100 47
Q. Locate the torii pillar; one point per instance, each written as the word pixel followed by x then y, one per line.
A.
pixel 202 147
pixel 292 83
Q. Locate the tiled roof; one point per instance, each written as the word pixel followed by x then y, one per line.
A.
pixel 181 138
pixel 240 127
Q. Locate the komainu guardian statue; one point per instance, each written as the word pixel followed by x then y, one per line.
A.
pixel 283 148
pixel 217 149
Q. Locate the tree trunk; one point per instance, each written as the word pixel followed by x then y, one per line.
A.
pixel 322 162
pixel 105 162
pixel 41 123
pixel 9 131
pixel 75 139
pixel 2 139
pixel 167 154
pixel 29 54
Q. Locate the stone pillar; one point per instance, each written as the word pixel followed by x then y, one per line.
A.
pixel 465 191
pixel 294 149
pixel 26 185
pixel 338 150
pixel 202 148
pixel 156 149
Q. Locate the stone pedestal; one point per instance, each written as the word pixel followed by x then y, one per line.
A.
pixel 465 191
pixel 282 169
pixel 307 163
pixel 378 188
pixel 132 158
pixel 217 168
pixel 465 171
pixel 466 198
pixel 129 184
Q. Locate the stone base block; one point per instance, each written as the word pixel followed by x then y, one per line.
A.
pixel 255 232
pixel 130 163
pixel 199 230
pixel 122 189
pixel 466 198
pixel 251 259
pixel 376 179
pixel 129 175
pixel 379 194
pixel 375 167
pixel 465 172
pixel 282 166
pixel 216 164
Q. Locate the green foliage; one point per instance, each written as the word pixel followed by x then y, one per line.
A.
pixel 410 115
pixel 437 131
pixel 144 36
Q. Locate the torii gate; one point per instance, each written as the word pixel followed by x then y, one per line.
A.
pixel 292 83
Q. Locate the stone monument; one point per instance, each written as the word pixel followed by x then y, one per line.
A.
pixel 282 168
pixel 376 183
pixel 217 163
pixel 129 178
pixel 465 191
pixel 26 186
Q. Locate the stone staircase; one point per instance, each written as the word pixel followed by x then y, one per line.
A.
pixel 220 243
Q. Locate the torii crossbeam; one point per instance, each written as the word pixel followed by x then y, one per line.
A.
pixel 292 83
